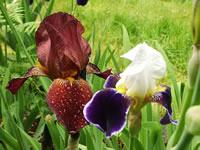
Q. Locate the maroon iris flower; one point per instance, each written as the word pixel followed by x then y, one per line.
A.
pixel 63 54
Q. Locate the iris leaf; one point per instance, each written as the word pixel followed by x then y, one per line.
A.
pixel 50 8
pixel 8 139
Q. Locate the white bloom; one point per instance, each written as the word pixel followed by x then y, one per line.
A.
pixel 139 77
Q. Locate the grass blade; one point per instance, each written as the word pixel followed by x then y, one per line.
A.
pixel 8 139
pixel 114 61
pixel 35 144
pixel 50 8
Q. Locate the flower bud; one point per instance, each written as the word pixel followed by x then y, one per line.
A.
pixel 192 120
pixel 134 122
pixel 196 23
pixel 48 117
pixel 193 66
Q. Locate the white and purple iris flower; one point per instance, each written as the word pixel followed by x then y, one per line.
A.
pixel 134 88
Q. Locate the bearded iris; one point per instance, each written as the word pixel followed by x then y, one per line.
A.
pixel 82 2
pixel 63 55
pixel 129 91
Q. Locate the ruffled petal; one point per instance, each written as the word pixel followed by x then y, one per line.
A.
pixel 82 2
pixel 111 81
pixel 67 100
pixel 108 110
pixel 164 98
pixel 143 53
pixel 60 45
pixel 139 77
pixel 15 84
pixel 93 69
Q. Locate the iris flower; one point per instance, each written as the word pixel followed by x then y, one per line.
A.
pixel 82 2
pixel 63 55
pixel 130 91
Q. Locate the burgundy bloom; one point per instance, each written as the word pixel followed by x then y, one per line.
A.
pixel 63 54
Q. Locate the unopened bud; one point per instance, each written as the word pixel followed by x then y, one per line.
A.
pixel 196 23
pixel 48 117
pixel 192 120
pixel 193 66
pixel 134 122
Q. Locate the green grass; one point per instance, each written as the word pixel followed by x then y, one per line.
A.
pixel 167 22
pixel 111 24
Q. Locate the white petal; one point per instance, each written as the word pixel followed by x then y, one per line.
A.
pixel 139 77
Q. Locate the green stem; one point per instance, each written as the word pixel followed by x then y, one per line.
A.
pixel 196 23
pixel 196 96
pixel 179 130
pixel 184 141
pixel 192 98
pixel 72 6
pixel 131 142
pixel 73 141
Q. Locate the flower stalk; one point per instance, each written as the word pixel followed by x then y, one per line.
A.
pixel 184 141
pixel 192 123
pixel 192 83
pixel 196 23
pixel 134 126
pixel 193 66
pixel 134 122
pixel 73 141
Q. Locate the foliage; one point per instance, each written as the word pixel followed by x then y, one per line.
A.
pixel 23 121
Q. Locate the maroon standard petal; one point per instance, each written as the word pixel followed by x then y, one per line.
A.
pixel 107 111
pixel 111 81
pixel 67 100
pixel 92 68
pixel 60 45
pixel 15 84
pixel 164 98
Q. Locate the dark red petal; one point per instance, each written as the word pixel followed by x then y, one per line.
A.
pixel 60 46
pixel 92 68
pixel 15 84
pixel 67 100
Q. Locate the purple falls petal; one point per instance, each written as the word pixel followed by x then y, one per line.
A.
pixel 108 110
pixel 164 98
pixel 30 2
pixel 82 2
pixel 111 81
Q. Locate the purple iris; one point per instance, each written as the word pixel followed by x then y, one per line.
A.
pixel 108 108
pixel 82 2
